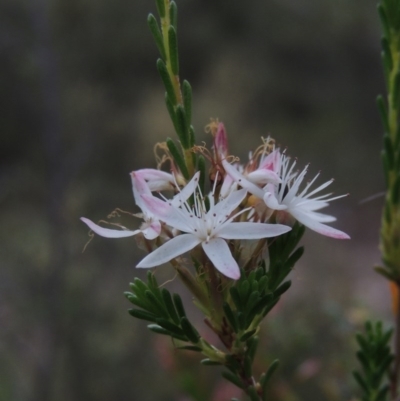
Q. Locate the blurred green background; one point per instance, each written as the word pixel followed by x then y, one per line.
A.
pixel 82 106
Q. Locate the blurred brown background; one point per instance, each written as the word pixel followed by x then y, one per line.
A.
pixel 82 106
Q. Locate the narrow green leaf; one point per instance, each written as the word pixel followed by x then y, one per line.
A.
pixel 173 50
pixel 179 305
pixel 267 376
pixel 155 30
pixel 161 8
pixel 247 335
pixel 143 315
pixel 160 330
pixel 209 362
pixel 166 295
pixel 387 53
pixel 294 258
pixel 389 151
pixel 157 305
pixel 190 348
pixel 361 381
pixel 252 344
pixel 233 379
pixel 167 325
pixel 187 101
pixel 252 392
pixel 396 91
pixel 236 298
pixel 230 316
pixel 138 302
pixel 182 126
pixel 384 21
pixel 189 330
pixel 201 166
pixel 178 158
pixel 282 288
pixel 173 15
pixel 169 88
pixel 395 192
pixel 383 113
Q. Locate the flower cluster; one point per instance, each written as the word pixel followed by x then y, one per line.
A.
pixel 247 202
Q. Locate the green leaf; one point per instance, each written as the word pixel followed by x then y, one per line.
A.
pixel 178 158
pixel 209 362
pixel 190 348
pixel 395 192
pixel 169 88
pixel 155 30
pixel 173 50
pixel 161 8
pixel 265 377
pixel 187 101
pixel 230 316
pixel 157 306
pixel 143 315
pixel 383 113
pixel 167 325
pixel 173 15
pixel 182 126
pixel 179 305
pixel 396 91
pixel 166 295
pixel 201 166
pixel 233 379
pixel 282 288
pixel 189 330
pixel 384 21
pixel 252 344
pixel 160 330
pixel 247 335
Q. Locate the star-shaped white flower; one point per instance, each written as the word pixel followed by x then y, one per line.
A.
pixel 288 197
pixel 209 228
pixel 151 226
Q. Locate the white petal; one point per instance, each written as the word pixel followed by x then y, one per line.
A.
pixel 272 202
pixel 252 230
pixel 307 220
pixel 157 180
pixel 226 206
pixel 170 250
pixel 107 232
pixel 242 180
pixel 264 176
pixel 139 187
pixel 186 191
pixel 153 230
pixel 166 213
pixel 221 257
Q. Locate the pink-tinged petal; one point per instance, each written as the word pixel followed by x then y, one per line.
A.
pixel 170 250
pixel 157 180
pixel 272 161
pixel 321 217
pixel 139 187
pixel 242 180
pixel 272 202
pixel 252 230
pixel 306 219
pixel 221 257
pixel 186 191
pixel 263 176
pixel 228 185
pixel 153 230
pixel 221 141
pixel 107 232
pixel 165 212
pixel 226 206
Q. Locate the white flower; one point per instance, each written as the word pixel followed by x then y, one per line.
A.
pixel 151 227
pixel 209 228
pixel 288 198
